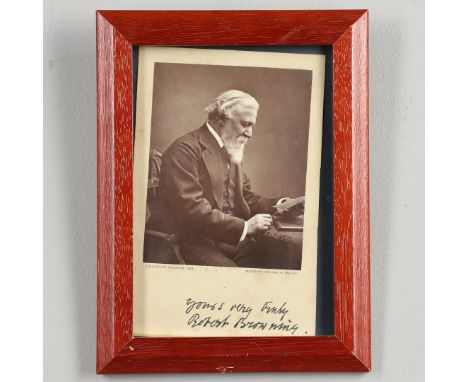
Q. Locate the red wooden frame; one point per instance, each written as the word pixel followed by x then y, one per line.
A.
pixel 349 348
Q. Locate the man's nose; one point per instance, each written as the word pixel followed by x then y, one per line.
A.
pixel 248 132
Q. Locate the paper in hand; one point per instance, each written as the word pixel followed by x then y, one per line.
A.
pixel 290 203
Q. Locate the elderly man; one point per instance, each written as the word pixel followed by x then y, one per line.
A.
pixel 204 197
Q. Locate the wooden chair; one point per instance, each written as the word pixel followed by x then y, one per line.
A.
pixel 154 171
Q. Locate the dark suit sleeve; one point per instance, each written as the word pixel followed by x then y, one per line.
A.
pixel 192 211
pixel 257 203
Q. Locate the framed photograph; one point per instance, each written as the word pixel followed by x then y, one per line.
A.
pixel 233 200
pixel 208 213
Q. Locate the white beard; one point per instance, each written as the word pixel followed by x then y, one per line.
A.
pixel 236 153
pixel 234 146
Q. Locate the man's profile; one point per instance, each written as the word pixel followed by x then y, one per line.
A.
pixel 204 197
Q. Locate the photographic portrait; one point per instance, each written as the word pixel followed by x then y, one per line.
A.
pixel 226 183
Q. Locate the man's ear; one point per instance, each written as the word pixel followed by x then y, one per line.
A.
pixel 222 122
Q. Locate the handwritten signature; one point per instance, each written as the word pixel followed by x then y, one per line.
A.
pixel 237 316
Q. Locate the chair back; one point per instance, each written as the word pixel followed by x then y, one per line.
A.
pixel 154 171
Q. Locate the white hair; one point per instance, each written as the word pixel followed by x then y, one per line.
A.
pixel 220 108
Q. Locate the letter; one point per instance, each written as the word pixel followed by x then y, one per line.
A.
pixel 283 311
pixel 190 304
pixel 225 322
pixel 193 320
pixel 240 321
pixel 266 307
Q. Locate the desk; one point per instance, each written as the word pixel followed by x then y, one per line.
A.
pixel 280 249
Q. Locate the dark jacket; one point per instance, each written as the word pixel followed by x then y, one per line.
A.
pixel 190 191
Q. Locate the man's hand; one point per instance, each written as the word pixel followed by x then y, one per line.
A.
pixel 259 222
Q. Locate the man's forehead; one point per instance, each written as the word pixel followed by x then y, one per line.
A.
pixel 245 112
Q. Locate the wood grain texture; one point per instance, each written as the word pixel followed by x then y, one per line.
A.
pixel 232 27
pixel 361 212
pixel 349 349
pixel 351 189
pixel 343 188
pixel 105 191
pixel 115 201
pixel 123 190
pixel 164 355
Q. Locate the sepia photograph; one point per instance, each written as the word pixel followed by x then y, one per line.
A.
pixel 227 166
pixel 226 185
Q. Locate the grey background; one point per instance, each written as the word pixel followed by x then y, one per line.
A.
pixel 276 156
pixel 397 187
